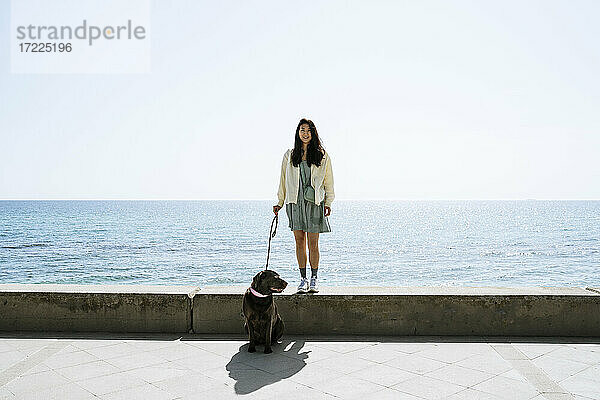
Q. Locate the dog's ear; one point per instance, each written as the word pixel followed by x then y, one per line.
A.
pixel 255 280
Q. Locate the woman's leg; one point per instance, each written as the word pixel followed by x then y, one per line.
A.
pixel 300 237
pixel 313 251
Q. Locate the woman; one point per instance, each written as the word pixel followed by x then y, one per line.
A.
pixel 306 187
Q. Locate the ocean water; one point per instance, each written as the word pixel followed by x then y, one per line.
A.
pixel 378 243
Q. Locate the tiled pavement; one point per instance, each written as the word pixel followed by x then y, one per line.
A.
pixel 101 366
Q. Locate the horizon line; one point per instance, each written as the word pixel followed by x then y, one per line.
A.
pixel 348 199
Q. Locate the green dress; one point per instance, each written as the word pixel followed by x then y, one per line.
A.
pixel 305 215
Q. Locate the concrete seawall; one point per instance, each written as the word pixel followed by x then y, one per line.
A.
pixel 335 310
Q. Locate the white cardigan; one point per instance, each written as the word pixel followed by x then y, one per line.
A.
pixel 321 179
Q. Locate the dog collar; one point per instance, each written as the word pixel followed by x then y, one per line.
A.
pixel 257 294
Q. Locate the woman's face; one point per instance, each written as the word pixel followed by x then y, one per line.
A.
pixel 304 133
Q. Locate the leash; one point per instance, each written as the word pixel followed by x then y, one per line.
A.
pixel 271 235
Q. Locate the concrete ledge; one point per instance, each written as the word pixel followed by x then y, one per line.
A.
pixel 489 311
pixel 95 308
pixel 486 311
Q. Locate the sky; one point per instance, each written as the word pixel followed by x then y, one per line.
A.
pixel 411 99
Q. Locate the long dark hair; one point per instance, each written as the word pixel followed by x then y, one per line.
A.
pixel 315 151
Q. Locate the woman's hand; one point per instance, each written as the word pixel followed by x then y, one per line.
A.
pixel 327 211
pixel 276 209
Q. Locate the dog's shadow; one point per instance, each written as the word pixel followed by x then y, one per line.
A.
pixel 252 371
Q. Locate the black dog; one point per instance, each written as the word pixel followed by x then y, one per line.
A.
pixel 263 324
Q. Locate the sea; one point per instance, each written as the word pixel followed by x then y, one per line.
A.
pixel 372 243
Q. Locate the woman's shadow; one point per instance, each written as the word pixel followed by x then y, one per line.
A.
pixel 252 371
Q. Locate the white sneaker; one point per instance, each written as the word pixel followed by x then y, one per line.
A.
pixel 303 286
pixel 313 286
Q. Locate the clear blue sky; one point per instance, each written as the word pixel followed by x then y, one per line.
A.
pixel 412 99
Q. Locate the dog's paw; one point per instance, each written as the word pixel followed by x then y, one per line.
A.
pixel 251 349
pixel 268 350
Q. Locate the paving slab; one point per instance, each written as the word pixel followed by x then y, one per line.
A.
pixel 188 366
